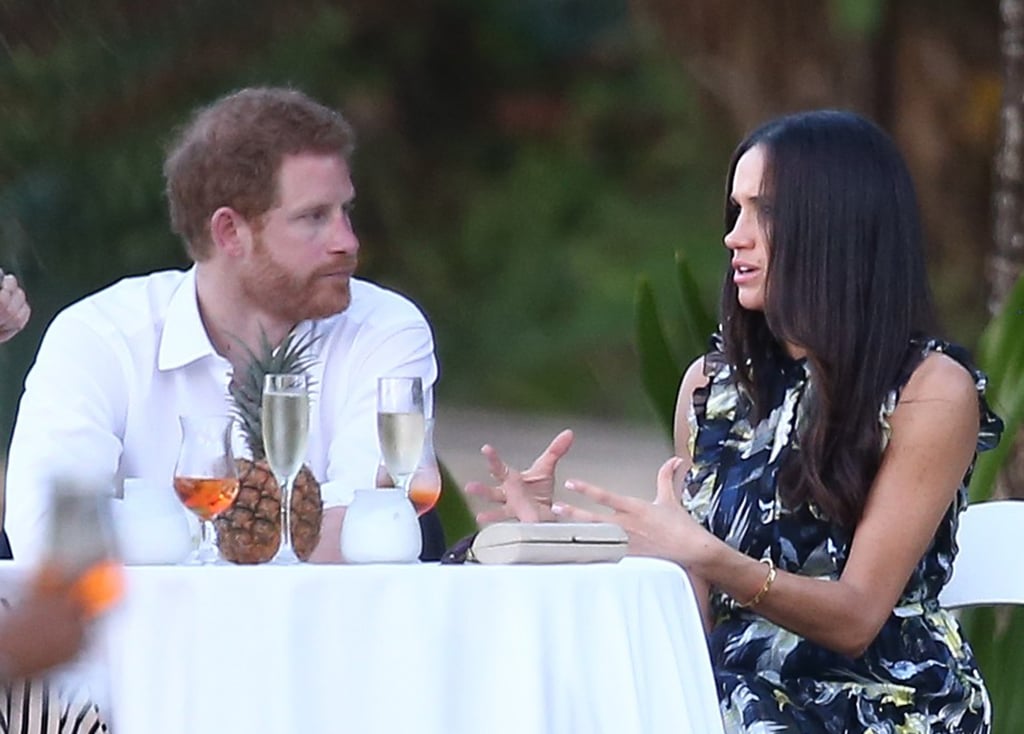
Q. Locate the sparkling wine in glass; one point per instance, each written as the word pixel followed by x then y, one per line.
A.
pixel 401 426
pixel 205 478
pixel 285 435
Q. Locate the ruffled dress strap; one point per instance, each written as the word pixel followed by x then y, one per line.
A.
pixel 712 411
pixel 732 482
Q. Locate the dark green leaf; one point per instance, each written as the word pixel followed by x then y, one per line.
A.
pixel 1001 345
pixel 697 319
pixel 660 371
pixel 1001 356
pixel 456 518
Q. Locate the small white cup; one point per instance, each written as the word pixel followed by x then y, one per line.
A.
pixel 381 526
pixel 151 525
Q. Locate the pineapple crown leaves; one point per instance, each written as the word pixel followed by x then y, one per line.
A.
pixel 294 355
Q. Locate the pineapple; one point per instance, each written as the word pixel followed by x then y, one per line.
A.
pixel 250 531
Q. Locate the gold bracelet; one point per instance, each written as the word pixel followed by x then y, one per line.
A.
pixel 764 589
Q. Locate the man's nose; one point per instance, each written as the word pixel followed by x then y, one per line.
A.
pixel 343 236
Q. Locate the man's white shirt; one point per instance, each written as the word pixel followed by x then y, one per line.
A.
pixel 116 370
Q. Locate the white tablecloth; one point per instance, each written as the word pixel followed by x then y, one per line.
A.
pixel 614 648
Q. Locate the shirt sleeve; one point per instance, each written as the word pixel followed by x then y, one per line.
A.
pixel 403 349
pixel 69 421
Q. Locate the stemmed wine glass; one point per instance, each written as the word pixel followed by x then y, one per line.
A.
pixel 285 435
pixel 401 426
pixel 425 483
pixel 205 478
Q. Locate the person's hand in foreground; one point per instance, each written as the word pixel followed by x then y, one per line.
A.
pixel 39 632
pixel 14 308
pixel 525 496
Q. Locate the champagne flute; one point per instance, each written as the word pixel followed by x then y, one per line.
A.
pixel 401 426
pixel 205 478
pixel 285 435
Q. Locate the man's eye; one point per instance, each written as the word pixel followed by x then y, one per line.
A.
pixel 349 207
pixel 317 216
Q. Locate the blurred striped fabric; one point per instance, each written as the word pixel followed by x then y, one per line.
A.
pixel 37 706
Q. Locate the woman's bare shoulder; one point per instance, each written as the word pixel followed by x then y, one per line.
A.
pixel 940 377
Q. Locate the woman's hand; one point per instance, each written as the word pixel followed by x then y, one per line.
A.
pixel 660 529
pixel 525 496
pixel 14 308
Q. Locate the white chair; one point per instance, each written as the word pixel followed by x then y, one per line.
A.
pixel 988 568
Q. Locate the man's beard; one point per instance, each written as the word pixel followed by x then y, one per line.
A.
pixel 289 297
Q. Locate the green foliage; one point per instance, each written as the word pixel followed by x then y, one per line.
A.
pixel 997 635
pixel 550 230
pixel 857 17
pixel 518 166
pixel 456 518
pixel 660 370
pixel 1001 356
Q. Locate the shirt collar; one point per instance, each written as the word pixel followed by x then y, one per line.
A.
pixel 184 338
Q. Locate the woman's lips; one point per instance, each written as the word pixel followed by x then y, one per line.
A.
pixel 745 274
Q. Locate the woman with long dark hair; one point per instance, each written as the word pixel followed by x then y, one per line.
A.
pixel 827 440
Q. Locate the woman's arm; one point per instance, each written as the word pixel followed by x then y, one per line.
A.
pixel 934 432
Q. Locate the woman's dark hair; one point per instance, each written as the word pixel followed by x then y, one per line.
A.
pixel 846 281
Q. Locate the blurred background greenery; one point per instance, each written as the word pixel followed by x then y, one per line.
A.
pixel 520 164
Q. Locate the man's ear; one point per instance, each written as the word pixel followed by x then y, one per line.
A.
pixel 230 231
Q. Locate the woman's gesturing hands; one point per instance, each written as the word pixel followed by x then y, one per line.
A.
pixel 661 529
pixel 525 496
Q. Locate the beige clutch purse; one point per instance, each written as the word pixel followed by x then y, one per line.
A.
pixel 549 542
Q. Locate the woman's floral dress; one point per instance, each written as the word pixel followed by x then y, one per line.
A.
pixel 918 675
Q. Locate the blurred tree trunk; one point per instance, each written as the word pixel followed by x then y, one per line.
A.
pixel 1007 262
